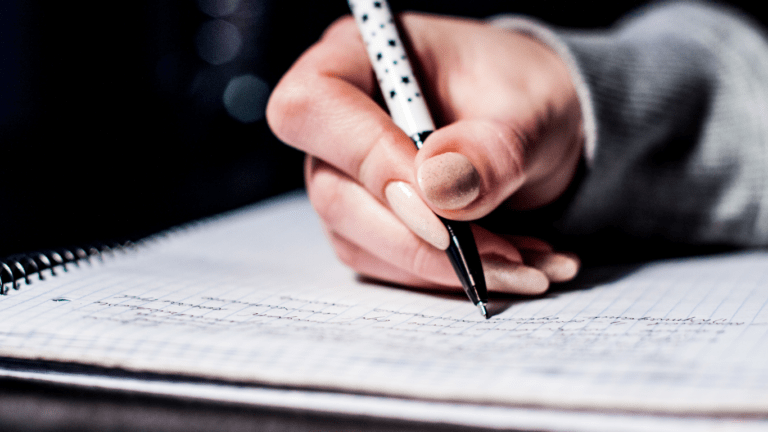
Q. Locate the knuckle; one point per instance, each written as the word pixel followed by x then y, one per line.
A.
pixel 375 157
pixel 515 144
pixel 349 256
pixel 325 190
pixel 288 101
pixel 343 27
pixel 420 258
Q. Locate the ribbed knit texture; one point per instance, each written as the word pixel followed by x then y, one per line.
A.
pixel 680 99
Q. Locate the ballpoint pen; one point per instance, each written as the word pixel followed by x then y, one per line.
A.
pixel 409 111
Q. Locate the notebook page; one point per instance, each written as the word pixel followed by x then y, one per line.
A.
pixel 259 297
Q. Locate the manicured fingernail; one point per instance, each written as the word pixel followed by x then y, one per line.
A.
pixel 515 278
pixel 449 181
pixel 409 207
pixel 559 267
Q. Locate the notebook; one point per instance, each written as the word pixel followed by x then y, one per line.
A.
pixel 252 306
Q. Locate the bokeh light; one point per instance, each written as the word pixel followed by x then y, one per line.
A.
pixel 245 98
pixel 218 41
pixel 218 8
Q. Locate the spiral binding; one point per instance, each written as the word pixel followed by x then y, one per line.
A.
pixel 19 267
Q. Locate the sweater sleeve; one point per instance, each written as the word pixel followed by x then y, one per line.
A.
pixel 676 105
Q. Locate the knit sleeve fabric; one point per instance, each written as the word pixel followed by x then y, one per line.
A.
pixel 675 101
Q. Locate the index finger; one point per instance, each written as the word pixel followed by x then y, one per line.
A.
pixel 324 107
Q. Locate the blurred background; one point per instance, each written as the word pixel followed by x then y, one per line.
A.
pixel 121 119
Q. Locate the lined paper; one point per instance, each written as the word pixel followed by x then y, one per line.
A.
pixel 258 297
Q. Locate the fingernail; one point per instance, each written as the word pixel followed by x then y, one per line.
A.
pixel 409 207
pixel 449 181
pixel 514 278
pixel 559 267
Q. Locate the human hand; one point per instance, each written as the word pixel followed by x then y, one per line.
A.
pixel 513 137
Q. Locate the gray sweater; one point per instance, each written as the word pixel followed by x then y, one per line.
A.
pixel 676 105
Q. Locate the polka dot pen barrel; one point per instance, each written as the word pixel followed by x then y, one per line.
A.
pixel 409 111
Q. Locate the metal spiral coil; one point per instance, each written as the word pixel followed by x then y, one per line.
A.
pixel 16 268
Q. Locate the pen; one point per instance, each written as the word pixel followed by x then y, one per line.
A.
pixel 409 111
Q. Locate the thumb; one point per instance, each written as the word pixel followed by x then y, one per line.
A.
pixel 466 169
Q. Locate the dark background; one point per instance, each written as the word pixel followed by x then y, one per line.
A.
pixel 112 124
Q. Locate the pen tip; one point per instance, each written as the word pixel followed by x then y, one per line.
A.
pixel 483 310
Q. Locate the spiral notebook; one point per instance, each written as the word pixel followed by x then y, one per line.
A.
pixel 255 303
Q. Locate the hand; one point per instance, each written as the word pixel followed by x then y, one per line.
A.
pixel 513 137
